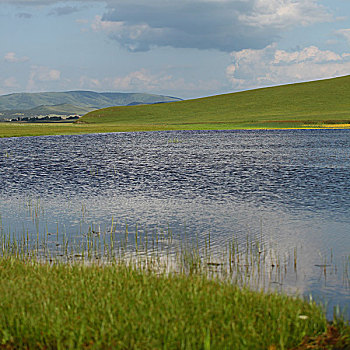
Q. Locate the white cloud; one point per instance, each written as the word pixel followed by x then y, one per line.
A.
pixel 12 58
pixel 285 13
pixel 143 80
pixel 82 21
pixel 344 33
pixel 11 83
pixel 24 15
pixel 42 74
pixel 271 66
pixel 89 83
pixel 64 10
pixel 312 54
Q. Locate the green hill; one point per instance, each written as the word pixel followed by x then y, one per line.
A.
pixel 294 105
pixel 61 109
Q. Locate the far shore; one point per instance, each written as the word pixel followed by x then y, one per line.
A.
pixel 45 129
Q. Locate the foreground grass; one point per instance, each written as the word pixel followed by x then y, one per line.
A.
pixel 76 306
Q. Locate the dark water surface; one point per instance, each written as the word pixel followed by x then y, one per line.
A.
pixel 289 187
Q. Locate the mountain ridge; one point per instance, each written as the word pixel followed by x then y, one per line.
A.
pixel 89 100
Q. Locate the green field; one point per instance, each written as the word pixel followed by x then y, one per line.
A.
pixel 296 105
pixel 318 104
pixel 38 129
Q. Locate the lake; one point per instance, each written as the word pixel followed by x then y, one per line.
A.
pixel 287 188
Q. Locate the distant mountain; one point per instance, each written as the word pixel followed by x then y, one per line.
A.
pixel 60 110
pixel 71 102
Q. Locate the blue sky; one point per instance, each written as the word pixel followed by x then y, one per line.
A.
pixel 183 48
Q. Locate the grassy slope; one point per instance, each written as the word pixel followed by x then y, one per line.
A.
pixel 301 103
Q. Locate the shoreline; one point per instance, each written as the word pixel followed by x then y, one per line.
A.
pixel 8 130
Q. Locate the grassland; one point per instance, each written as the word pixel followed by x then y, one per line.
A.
pixel 36 129
pixel 309 104
pixel 318 104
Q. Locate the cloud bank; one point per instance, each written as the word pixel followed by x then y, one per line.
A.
pixel 64 10
pixel 145 80
pixel 42 74
pixel 11 57
pixel 344 34
pixel 271 66
pixel 225 25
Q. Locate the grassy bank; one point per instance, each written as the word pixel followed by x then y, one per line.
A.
pixel 119 307
pixel 18 130
pixel 125 290
pixel 318 104
pixel 31 129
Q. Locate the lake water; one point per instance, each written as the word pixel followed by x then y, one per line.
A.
pixel 290 188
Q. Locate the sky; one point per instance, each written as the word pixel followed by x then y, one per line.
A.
pixel 182 48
